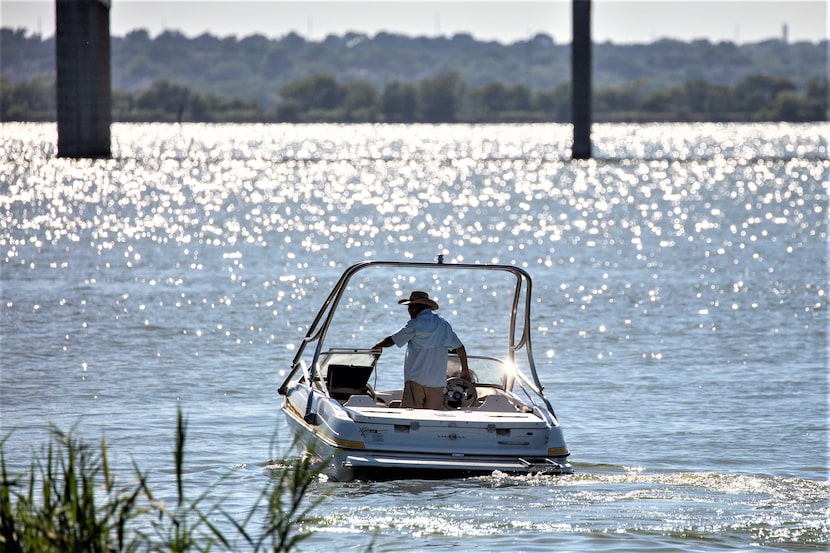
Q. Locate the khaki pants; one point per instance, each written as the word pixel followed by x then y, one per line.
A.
pixel 416 396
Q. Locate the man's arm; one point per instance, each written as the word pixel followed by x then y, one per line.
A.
pixel 465 369
pixel 385 343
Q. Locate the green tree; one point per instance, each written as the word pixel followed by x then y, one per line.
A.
pixel 289 111
pixel 698 93
pixel 817 90
pixel 518 98
pixel 33 100
pixel 491 98
pixel 164 97
pixel 554 104
pixel 5 98
pixel 498 100
pixel 720 102
pixel 628 97
pixel 673 100
pixel 275 63
pixel 360 100
pixel 399 102
pixel 140 67
pixel 320 92
pixel 789 106
pixel 440 98
pixel 758 92
pixel 123 106
pixel 200 108
pixel 817 96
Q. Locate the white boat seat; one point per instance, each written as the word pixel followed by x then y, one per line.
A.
pixel 388 397
pixel 360 401
pixel 497 403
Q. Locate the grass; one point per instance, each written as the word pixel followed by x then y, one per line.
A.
pixel 70 502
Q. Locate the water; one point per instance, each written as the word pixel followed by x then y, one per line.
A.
pixel 680 322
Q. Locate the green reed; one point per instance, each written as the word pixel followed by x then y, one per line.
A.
pixel 71 502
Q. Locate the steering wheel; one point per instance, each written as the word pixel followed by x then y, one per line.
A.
pixel 460 393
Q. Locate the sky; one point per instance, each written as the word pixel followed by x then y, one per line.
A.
pixel 618 21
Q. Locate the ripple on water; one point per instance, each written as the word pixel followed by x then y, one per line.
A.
pixel 680 284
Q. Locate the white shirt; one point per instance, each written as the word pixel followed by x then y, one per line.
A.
pixel 428 338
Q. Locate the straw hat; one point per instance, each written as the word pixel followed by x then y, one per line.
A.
pixel 419 297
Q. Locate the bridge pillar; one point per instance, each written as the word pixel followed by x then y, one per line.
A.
pixel 84 97
pixel 581 79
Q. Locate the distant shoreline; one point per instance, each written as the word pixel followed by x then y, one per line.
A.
pixel 394 78
pixel 446 99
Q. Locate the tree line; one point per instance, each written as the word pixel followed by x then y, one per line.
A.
pixel 256 67
pixel 442 99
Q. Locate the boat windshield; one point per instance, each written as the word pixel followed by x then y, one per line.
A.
pixel 485 371
pixel 359 364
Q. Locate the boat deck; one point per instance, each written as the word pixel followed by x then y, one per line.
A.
pixel 460 417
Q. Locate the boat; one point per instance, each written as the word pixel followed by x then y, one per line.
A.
pixel 499 420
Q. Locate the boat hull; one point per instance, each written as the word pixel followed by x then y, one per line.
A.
pixel 379 443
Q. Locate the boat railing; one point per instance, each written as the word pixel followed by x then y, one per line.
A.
pixel 521 302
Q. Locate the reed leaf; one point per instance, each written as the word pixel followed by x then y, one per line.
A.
pixel 72 503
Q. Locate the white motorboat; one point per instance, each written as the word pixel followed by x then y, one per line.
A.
pixel 501 421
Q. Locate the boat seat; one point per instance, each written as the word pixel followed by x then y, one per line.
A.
pixel 388 397
pixel 360 401
pixel 497 403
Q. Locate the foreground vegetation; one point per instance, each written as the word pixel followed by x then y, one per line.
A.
pixel 71 501
pixel 443 99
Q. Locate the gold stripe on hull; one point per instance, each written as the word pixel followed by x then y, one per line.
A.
pixel 322 433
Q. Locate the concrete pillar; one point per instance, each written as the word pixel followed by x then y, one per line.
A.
pixel 82 42
pixel 581 79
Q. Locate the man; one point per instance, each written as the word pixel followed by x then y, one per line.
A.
pixel 428 338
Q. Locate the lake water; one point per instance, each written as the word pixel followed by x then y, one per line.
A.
pixel 680 322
